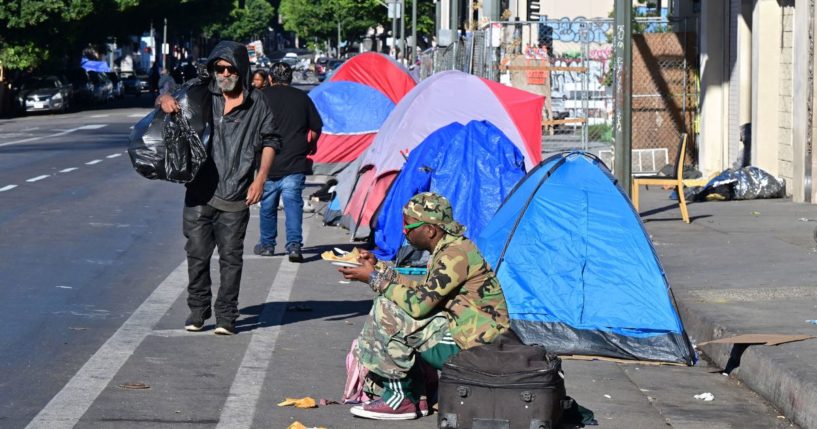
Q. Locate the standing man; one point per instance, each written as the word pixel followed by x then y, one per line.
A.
pixel 458 305
pixel 300 125
pixel 216 204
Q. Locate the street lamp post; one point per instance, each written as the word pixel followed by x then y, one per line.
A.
pixel 164 46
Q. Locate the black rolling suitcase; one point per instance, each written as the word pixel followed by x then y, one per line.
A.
pixel 503 385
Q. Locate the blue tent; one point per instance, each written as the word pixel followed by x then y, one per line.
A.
pixel 475 166
pixel 578 270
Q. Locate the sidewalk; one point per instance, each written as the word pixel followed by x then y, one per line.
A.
pixel 746 267
pixel 298 320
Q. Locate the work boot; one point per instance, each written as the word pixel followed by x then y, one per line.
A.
pixel 295 255
pixel 263 250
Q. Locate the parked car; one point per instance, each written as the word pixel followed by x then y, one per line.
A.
pixel 103 88
pixel 118 85
pixel 44 94
pixel 82 86
pixel 135 84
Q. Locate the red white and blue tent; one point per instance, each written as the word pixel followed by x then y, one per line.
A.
pixel 353 104
pixel 435 103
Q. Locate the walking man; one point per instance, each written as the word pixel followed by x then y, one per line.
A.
pixel 300 125
pixel 458 305
pixel 216 204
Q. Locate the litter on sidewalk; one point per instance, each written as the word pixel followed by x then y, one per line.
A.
pixel 306 402
pixel 706 396
pixel 765 339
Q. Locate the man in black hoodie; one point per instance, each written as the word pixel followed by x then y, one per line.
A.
pixel 217 201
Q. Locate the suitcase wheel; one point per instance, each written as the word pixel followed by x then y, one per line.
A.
pixel 448 421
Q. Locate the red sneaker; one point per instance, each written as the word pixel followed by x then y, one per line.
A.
pixel 378 410
pixel 422 405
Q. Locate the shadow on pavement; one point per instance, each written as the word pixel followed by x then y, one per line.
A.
pixel 299 311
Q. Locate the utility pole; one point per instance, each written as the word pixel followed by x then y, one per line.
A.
pixel 623 90
pixel 393 15
pixel 165 47
pixel 403 29
pixel 413 31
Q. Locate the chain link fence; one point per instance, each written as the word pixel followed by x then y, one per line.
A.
pixel 568 61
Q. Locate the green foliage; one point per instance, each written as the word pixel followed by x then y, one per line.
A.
pixel 600 132
pixel 321 18
pixel 244 22
pixel 21 56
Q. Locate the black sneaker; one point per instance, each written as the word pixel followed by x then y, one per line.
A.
pixel 195 321
pixel 225 328
pixel 295 255
pixel 263 250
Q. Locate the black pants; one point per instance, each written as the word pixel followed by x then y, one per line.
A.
pixel 205 228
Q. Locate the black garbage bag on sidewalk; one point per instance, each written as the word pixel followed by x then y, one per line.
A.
pixel 173 146
pixel 747 183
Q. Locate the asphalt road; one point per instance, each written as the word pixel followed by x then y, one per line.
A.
pixel 92 280
pixel 83 241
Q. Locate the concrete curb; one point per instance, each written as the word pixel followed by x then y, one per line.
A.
pixel 760 367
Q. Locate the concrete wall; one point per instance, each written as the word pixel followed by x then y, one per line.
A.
pixel 784 108
pixel 802 93
pixel 715 69
pixel 766 58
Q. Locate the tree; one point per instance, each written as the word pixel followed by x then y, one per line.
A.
pixel 326 18
pixel 245 22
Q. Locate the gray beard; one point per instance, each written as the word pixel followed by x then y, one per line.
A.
pixel 227 84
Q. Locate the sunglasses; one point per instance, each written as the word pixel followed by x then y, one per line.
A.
pixel 409 227
pixel 219 69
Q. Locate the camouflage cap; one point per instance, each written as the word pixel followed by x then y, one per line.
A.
pixel 433 209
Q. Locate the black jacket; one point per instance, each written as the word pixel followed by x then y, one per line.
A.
pixel 238 137
pixel 295 115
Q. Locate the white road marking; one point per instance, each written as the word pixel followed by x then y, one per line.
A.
pixel 67 407
pixel 239 409
pixel 138 115
pixel 113 155
pixel 7 188
pixel 96 161
pixel 99 116
pixel 38 178
pixel 64 287
pixel 58 134
pixel 68 170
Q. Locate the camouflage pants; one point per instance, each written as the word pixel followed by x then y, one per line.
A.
pixel 391 338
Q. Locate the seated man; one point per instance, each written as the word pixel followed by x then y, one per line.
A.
pixel 458 305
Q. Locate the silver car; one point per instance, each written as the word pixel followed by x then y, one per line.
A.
pixel 47 94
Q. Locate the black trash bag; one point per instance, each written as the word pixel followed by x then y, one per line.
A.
pixel 747 183
pixel 173 146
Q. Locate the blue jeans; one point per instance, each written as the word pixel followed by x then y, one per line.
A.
pixel 291 188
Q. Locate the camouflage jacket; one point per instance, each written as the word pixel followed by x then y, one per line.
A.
pixel 460 284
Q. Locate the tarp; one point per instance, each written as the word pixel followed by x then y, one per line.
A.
pixel 578 270
pixel 446 97
pixel 475 166
pixel 97 66
pixel 353 104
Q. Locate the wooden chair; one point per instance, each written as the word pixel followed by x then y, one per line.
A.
pixel 676 181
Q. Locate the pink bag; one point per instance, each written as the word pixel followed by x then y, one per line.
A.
pixel 355 379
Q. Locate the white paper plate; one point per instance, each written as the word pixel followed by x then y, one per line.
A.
pixel 346 264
